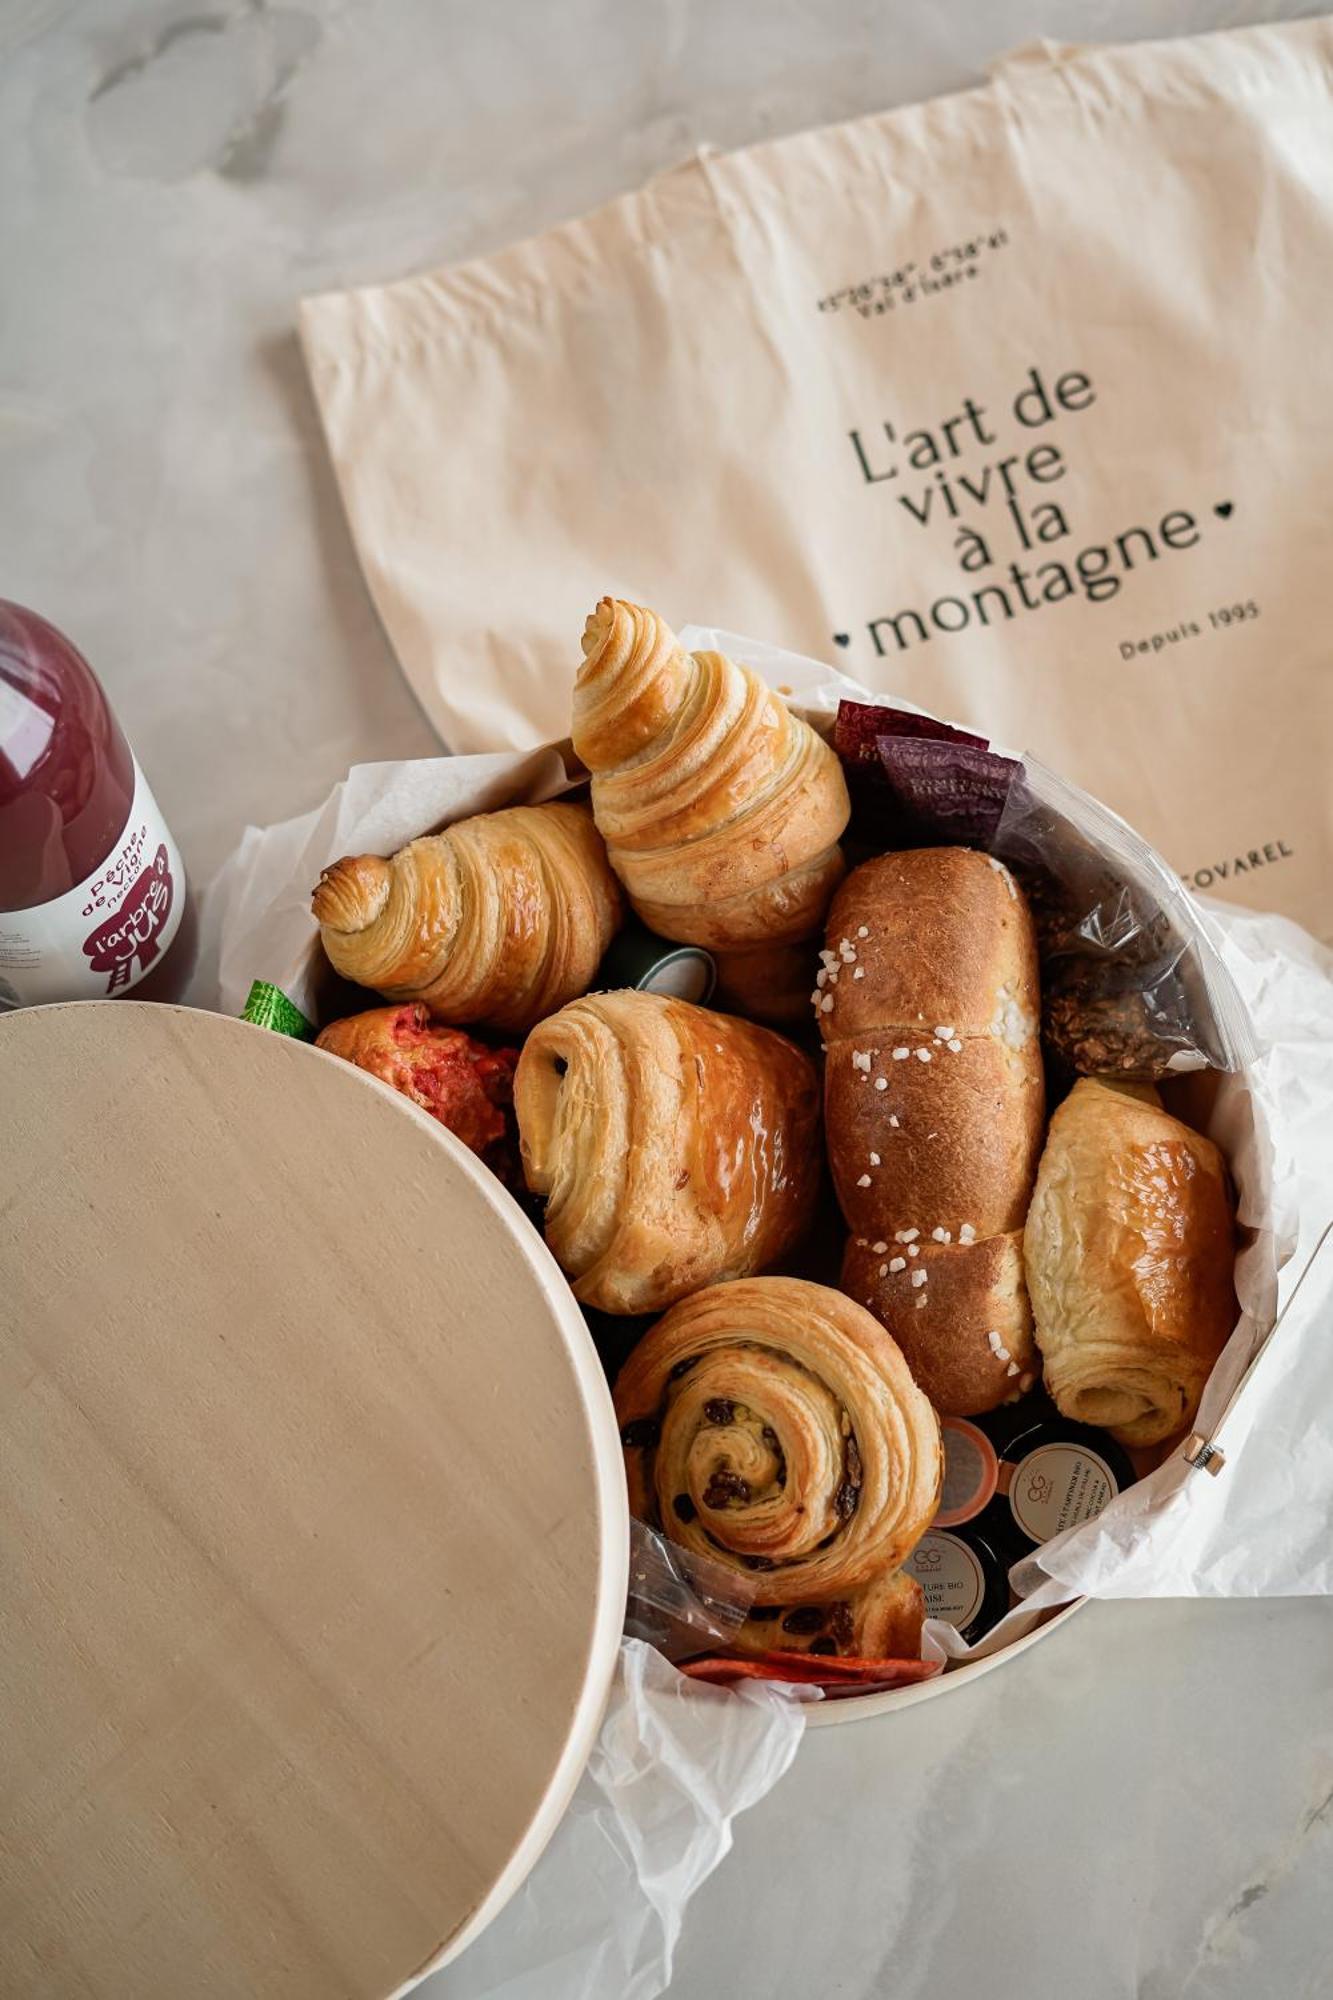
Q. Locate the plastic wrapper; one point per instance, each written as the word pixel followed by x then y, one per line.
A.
pixel 1132 985
pixel 674 1763
pixel 679 1601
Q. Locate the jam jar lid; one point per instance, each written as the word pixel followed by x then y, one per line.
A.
pixel 964 1579
pixel 971 1472
pixel 1057 1474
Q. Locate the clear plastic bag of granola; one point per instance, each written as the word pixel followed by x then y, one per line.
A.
pixel 1133 982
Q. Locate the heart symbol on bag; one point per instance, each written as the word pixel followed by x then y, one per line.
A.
pixel 1223 510
pixel 845 638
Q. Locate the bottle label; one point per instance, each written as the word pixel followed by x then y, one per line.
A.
pixel 952 1579
pixel 1057 1486
pixel 101 937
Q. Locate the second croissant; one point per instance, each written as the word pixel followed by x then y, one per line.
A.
pixel 496 921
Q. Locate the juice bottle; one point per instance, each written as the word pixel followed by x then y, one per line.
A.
pixel 93 896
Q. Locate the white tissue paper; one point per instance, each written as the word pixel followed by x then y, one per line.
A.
pixel 599 1916
pixel 676 1761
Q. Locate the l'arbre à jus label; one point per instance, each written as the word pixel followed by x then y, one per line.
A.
pixel 102 936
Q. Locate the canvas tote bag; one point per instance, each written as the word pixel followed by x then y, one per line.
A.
pixel 1018 403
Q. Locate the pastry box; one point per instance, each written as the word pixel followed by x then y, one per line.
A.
pixel 1141 990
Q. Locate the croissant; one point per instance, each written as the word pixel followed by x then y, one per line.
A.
pixel 498 920
pixel 674 1146
pixel 773 1424
pixel 721 811
pixel 1129 1251
pixel 462 1083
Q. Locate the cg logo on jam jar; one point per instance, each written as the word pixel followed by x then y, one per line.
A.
pixel 1040 1489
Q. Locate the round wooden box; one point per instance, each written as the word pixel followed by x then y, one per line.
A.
pixel 315 1543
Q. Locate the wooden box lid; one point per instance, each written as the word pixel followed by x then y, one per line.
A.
pixel 314 1547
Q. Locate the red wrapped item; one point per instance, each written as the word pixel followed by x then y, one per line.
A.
pixel 836 1676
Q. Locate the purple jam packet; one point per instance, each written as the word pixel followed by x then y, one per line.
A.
pixel 940 783
pixel 860 724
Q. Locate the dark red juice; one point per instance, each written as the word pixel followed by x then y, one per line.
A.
pixel 93 896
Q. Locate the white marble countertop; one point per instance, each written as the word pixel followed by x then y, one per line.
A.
pixel 1144 1805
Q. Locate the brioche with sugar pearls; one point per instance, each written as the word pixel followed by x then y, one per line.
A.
pixel 927 1001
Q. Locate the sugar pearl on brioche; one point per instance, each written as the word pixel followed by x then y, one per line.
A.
pixel 927 1003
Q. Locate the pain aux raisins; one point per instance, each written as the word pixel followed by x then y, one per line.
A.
pixel 718 1410
pixel 641 1434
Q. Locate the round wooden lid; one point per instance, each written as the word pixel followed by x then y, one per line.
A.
pixel 315 1537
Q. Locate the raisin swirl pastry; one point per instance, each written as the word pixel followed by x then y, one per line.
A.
pixel 721 810
pixel 773 1424
pixel 674 1146
pixel 498 920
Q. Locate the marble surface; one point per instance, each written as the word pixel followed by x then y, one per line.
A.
pixel 1144 1806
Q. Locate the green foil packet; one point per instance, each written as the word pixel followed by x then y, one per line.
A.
pixel 268 1007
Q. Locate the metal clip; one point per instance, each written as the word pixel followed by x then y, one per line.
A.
pixel 1198 1450
pixel 1203 1456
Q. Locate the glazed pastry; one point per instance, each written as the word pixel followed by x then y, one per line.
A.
pixel 721 810
pixel 499 920
pixel 773 1424
pixel 1129 1250
pixel 881 1621
pixel 460 1082
pixel 934 1096
pixel 674 1146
